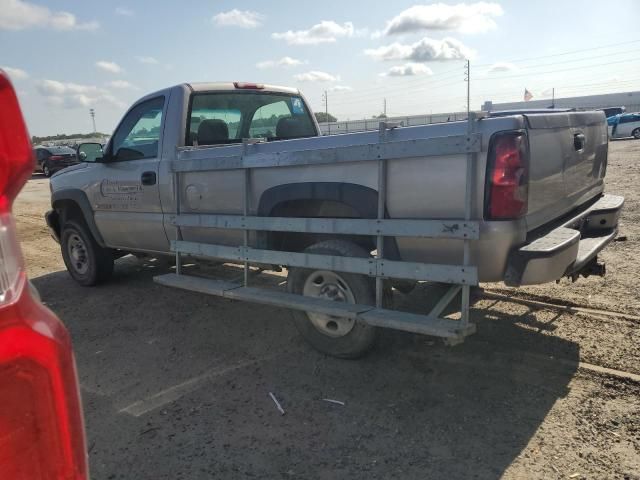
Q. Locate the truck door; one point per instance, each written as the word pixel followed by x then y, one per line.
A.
pixel 125 196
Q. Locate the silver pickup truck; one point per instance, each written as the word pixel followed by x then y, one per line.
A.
pixel 536 189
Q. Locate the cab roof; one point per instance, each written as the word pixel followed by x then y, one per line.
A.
pixel 231 86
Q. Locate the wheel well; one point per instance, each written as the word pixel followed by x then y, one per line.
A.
pixel 68 210
pixel 297 242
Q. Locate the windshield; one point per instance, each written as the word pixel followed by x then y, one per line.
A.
pixel 222 118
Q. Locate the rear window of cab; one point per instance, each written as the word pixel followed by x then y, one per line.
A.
pixel 218 118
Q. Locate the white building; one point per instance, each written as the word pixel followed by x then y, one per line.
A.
pixel 629 100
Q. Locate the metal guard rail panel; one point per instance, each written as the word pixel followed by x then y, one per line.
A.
pixel 374 267
pixel 454 229
pixel 199 159
pixel 431 324
pixel 461 277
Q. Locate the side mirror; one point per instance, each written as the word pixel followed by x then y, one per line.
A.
pixel 90 152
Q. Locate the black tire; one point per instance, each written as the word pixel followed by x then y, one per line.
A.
pixel 46 170
pixel 86 261
pixel 361 337
pixel 636 134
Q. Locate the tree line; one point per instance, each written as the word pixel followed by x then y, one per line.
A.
pixel 62 136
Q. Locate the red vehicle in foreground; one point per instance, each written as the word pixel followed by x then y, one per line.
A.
pixel 41 426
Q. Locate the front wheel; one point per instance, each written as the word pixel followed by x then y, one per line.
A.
pixel 336 336
pixel 87 262
pixel 636 134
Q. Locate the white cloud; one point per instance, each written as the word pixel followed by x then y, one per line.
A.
pixel 463 17
pixel 425 50
pixel 340 88
pixel 54 87
pixel 21 15
pixel 147 60
pixel 74 95
pixel 122 84
pixel 15 73
pixel 316 76
pixel 110 67
pixel 502 67
pixel 408 70
pixel 238 18
pixel 283 62
pixel 124 11
pixel 326 31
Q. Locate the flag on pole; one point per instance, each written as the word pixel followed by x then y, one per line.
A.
pixel 527 95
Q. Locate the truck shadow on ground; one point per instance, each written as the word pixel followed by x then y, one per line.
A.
pixel 412 408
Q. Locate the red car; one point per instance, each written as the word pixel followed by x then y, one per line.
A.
pixel 41 426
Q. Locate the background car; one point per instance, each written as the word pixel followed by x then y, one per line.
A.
pixel 51 159
pixel 612 111
pixel 625 125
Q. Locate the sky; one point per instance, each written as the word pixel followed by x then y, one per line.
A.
pixel 66 57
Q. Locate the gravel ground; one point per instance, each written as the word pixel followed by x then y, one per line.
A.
pixel 176 385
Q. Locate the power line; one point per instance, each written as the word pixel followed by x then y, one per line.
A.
pixel 444 80
pixel 561 70
pixel 577 60
pixel 564 53
pixel 408 83
pixel 367 95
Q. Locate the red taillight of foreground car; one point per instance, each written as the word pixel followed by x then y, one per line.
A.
pixel 507 189
pixel 41 429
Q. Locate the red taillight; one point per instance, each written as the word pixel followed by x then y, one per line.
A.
pixel 56 157
pixel 16 155
pixel 507 190
pixel 41 429
pixel 248 86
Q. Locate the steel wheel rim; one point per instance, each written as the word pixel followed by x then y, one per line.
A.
pixel 329 286
pixel 78 254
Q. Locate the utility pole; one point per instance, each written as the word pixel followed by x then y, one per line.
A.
pixel 467 78
pixel 92 112
pixel 553 97
pixel 325 98
pixel 384 108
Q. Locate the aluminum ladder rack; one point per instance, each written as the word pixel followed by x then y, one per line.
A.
pixel 460 277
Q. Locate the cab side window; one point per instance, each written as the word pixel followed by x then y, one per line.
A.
pixel 138 135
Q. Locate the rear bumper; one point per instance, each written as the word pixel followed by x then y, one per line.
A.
pixel 568 248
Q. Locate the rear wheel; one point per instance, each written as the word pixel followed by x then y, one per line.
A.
pixel 46 170
pixel 336 336
pixel 87 262
pixel 636 134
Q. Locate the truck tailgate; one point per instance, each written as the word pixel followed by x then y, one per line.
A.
pixel 568 158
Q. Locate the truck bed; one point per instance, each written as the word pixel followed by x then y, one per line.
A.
pixel 421 185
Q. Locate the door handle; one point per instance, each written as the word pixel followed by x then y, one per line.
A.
pixel 148 178
pixel 578 141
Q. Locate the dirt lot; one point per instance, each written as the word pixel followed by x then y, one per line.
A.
pixel 176 385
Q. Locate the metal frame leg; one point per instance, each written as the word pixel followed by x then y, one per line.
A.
pixel 245 212
pixel 382 197
pixel 178 228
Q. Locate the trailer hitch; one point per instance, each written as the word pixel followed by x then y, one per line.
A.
pixel 592 268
